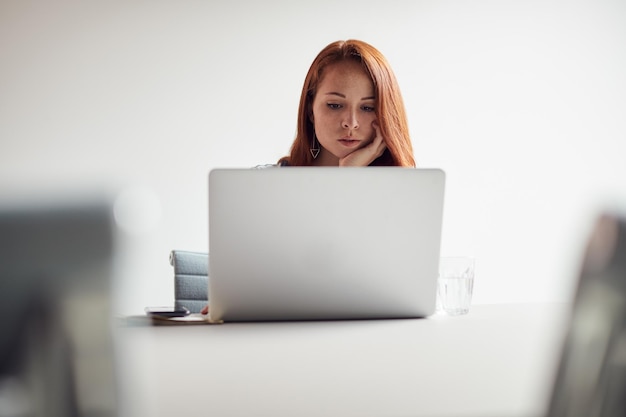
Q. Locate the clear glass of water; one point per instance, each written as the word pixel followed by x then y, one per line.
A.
pixel 455 284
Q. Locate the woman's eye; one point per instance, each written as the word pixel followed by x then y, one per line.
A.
pixel 334 106
pixel 368 108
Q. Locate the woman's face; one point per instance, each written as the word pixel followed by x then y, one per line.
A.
pixel 343 111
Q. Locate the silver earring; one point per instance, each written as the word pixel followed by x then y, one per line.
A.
pixel 315 147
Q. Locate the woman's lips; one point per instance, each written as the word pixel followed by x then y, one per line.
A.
pixel 349 142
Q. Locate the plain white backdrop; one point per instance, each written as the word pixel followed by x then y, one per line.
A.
pixel 522 103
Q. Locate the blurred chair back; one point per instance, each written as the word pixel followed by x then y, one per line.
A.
pixel 591 376
pixel 56 350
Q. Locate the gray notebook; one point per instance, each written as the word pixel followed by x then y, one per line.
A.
pixel 303 243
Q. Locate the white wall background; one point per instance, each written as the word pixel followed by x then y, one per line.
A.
pixel 523 103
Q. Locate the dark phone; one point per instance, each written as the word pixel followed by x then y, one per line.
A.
pixel 167 311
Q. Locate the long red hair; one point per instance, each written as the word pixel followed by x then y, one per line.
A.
pixel 390 111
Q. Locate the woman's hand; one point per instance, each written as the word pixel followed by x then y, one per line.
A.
pixel 364 156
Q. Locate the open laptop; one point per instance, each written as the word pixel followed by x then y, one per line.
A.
pixel 302 243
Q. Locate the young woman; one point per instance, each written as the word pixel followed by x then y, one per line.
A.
pixel 351 112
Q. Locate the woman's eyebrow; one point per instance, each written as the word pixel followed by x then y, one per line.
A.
pixel 334 93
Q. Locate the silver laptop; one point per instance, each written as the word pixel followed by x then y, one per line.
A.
pixel 302 243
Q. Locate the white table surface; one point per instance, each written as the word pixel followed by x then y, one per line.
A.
pixel 497 361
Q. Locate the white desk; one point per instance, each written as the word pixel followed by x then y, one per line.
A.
pixel 498 361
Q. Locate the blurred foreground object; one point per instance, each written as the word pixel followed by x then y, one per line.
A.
pixel 591 378
pixel 56 350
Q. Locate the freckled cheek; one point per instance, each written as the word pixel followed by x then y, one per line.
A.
pixel 327 118
pixel 325 122
pixel 371 132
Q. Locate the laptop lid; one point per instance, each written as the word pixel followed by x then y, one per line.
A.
pixel 304 243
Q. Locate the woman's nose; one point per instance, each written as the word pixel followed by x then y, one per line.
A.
pixel 350 121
